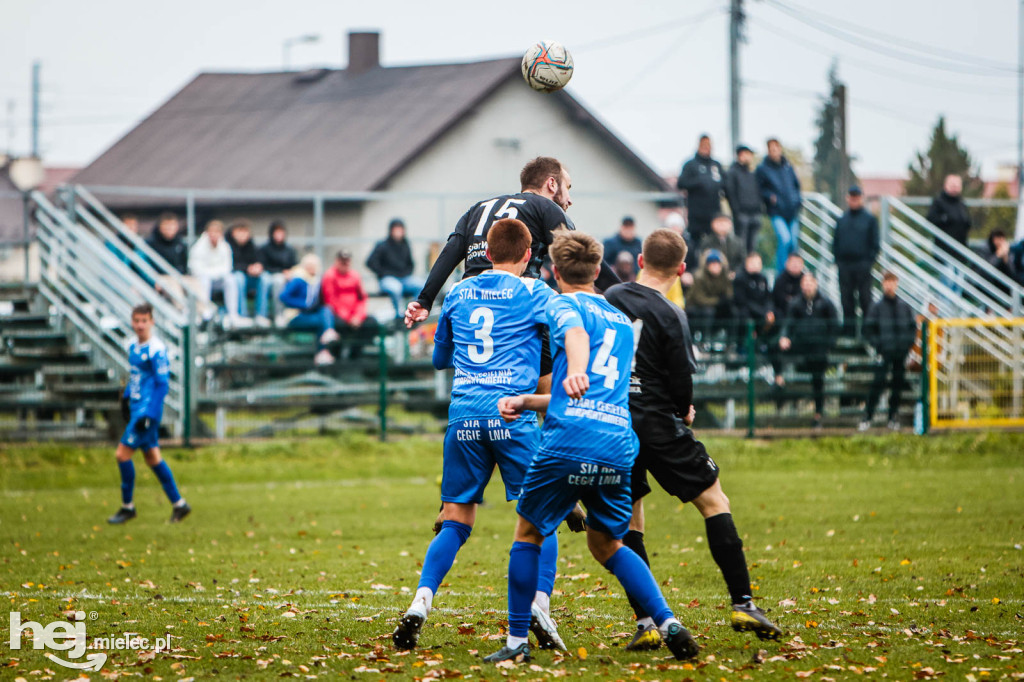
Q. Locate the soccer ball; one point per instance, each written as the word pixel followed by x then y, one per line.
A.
pixel 547 66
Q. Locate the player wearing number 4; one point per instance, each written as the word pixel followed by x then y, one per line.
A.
pixel 142 406
pixel 587 449
pixel 661 405
pixel 490 333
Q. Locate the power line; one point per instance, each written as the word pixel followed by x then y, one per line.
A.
pixel 661 27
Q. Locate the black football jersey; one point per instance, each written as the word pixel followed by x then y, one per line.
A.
pixel 469 239
pixel 661 388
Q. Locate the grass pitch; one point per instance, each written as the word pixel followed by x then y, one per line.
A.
pixel 896 556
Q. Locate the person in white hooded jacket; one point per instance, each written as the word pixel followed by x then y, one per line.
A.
pixel 209 261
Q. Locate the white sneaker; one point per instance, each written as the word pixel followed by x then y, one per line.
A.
pixel 864 425
pixel 545 630
pixel 262 321
pixel 241 322
pixel 329 336
pixel 324 357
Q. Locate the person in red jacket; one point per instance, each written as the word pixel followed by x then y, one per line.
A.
pixel 342 291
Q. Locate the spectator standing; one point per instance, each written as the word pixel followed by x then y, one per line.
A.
pixel 855 246
pixel 344 294
pixel 752 299
pixel 743 192
pixel 304 308
pixel 701 180
pixel 391 260
pixel 722 239
pixel 248 272
pixel 780 191
pixel 808 333
pixel 891 328
pixel 709 301
pixel 949 213
pixel 676 223
pixel 277 257
pixel 209 261
pixel 625 239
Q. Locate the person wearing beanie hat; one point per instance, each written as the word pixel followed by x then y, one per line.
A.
pixel 391 260
pixel 709 301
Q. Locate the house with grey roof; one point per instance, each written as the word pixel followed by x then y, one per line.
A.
pixel 427 140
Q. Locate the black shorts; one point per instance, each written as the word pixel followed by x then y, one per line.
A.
pixel 682 467
pixel 545 352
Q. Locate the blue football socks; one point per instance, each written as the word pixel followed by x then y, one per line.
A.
pixel 630 570
pixel 127 470
pixel 166 478
pixel 548 564
pixel 441 553
pixel 523 570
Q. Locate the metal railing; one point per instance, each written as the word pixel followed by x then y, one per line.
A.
pixel 84 275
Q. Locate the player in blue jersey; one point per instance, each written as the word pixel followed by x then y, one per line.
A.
pixel 143 406
pixel 489 331
pixel 587 448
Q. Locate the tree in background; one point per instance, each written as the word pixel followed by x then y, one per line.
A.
pixel 1001 217
pixel 828 157
pixel 944 157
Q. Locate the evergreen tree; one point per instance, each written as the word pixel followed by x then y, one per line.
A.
pixel 828 159
pixel 944 157
pixel 1001 217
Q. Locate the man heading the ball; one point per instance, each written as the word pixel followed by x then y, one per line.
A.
pixel 661 405
pixel 142 406
pixel 490 333
pixel 587 448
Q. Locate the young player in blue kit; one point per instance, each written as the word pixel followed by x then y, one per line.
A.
pixel 143 406
pixel 587 448
pixel 489 331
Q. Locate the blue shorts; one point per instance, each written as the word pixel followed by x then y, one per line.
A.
pixel 473 446
pixel 554 485
pixel 141 440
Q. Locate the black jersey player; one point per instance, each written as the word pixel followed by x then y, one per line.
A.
pixel 540 205
pixel 661 406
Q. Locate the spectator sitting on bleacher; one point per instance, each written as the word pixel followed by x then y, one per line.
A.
pixel 124 244
pixel 209 261
pixel 787 284
pixel 248 271
pixel 625 239
pixel 808 333
pixel 723 240
pixel 625 266
pixel 891 329
pixel 277 257
pixel 168 244
pixel 343 293
pixel 709 300
pixel 752 299
pixel 391 260
pixel 304 308
pixel 1000 257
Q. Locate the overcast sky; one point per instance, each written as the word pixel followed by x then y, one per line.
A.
pixel 654 71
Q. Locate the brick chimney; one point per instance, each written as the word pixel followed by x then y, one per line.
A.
pixel 363 51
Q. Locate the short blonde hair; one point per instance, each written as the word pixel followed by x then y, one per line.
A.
pixel 576 256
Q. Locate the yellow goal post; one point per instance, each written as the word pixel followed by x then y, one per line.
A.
pixel 975 372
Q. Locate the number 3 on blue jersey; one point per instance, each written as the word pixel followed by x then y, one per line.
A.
pixel 483 354
pixel 605 364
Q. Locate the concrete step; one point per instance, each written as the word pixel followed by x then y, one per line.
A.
pixel 87 388
pixel 53 371
pixel 36 337
pixel 22 320
pixel 64 354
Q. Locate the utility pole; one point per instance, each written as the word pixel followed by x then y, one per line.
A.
pixel 736 21
pixel 844 158
pixel 36 87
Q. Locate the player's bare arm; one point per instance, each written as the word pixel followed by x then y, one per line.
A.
pixel 577 353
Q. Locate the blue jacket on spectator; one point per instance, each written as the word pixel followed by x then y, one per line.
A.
pixel 779 180
pixel 301 294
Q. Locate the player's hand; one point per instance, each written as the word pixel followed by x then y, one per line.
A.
pixel 785 343
pixel 576 385
pixel 769 317
pixel 126 409
pixel 414 313
pixel 690 416
pixel 511 407
pixel 143 424
pixel 577 519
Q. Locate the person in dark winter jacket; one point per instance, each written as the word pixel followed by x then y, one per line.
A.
pixel 744 195
pixel 623 240
pixel 752 299
pixel 809 332
pixel 722 239
pixel 1000 256
pixel 277 257
pixel 701 179
pixel 891 328
pixel 780 191
pixel 949 213
pixel 709 300
pixel 787 284
pixel 855 246
pixel 391 260
pixel 248 271
pixel 168 244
